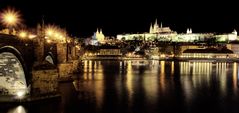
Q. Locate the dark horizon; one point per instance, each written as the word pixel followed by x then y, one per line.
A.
pixel 82 19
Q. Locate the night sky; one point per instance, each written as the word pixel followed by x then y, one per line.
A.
pixel 82 18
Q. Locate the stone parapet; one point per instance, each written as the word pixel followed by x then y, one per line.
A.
pixel 65 70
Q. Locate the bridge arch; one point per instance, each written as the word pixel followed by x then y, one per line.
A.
pixel 14 74
pixel 50 58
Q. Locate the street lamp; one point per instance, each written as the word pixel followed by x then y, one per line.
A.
pixel 10 18
pixel 22 34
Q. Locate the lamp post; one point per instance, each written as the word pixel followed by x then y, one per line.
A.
pixel 10 18
pixel 66 49
pixel 22 34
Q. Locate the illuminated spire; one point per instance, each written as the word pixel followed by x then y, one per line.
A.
pixel 234 32
pixel 156 23
pixel 161 25
pixel 97 31
pixel 151 28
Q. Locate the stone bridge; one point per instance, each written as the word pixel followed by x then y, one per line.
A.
pixel 33 67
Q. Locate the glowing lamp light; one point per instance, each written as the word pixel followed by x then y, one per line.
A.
pixel 20 94
pixel 78 47
pixel 69 41
pixel 57 34
pixel 49 32
pixel 48 41
pixel 31 36
pixel 23 34
pixel 10 17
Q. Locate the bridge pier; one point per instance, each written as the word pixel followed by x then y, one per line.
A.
pixel 44 82
pixel 45 75
pixel 68 61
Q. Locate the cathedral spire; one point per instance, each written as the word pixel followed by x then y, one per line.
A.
pixel 156 23
pixel 151 28
pixel 97 31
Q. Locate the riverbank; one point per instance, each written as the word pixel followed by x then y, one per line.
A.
pixel 4 99
pixel 167 59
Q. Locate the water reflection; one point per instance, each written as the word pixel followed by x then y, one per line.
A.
pixel 18 109
pixel 158 82
pixel 163 86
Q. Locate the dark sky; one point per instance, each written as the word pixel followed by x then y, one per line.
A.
pixel 82 18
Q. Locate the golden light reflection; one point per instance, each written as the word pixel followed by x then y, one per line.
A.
pixel 162 76
pixel 18 109
pixel 172 68
pixel 85 65
pixel 129 81
pixel 154 66
pixel 201 73
pixel 162 64
pixel 94 83
pixel 93 70
pixel 195 75
pixel 222 76
pixel 99 84
pixel 90 65
pixel 151 88
pixel 235 71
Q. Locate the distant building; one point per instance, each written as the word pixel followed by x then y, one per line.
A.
pixel 234 47
pixel 161 29
pixel 208 53
pixel 166 34
pixel 98 37
pixel 109 51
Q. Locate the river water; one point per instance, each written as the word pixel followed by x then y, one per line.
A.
pixel 112 86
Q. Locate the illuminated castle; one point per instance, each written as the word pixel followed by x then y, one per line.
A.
pixel 166 34
pixel 157 29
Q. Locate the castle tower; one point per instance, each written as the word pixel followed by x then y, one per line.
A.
pixel 234 32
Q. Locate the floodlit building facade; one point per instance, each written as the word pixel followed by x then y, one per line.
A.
pixel 98 37
pixel 166 34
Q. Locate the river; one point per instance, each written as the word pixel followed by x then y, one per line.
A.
pixel 114 86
